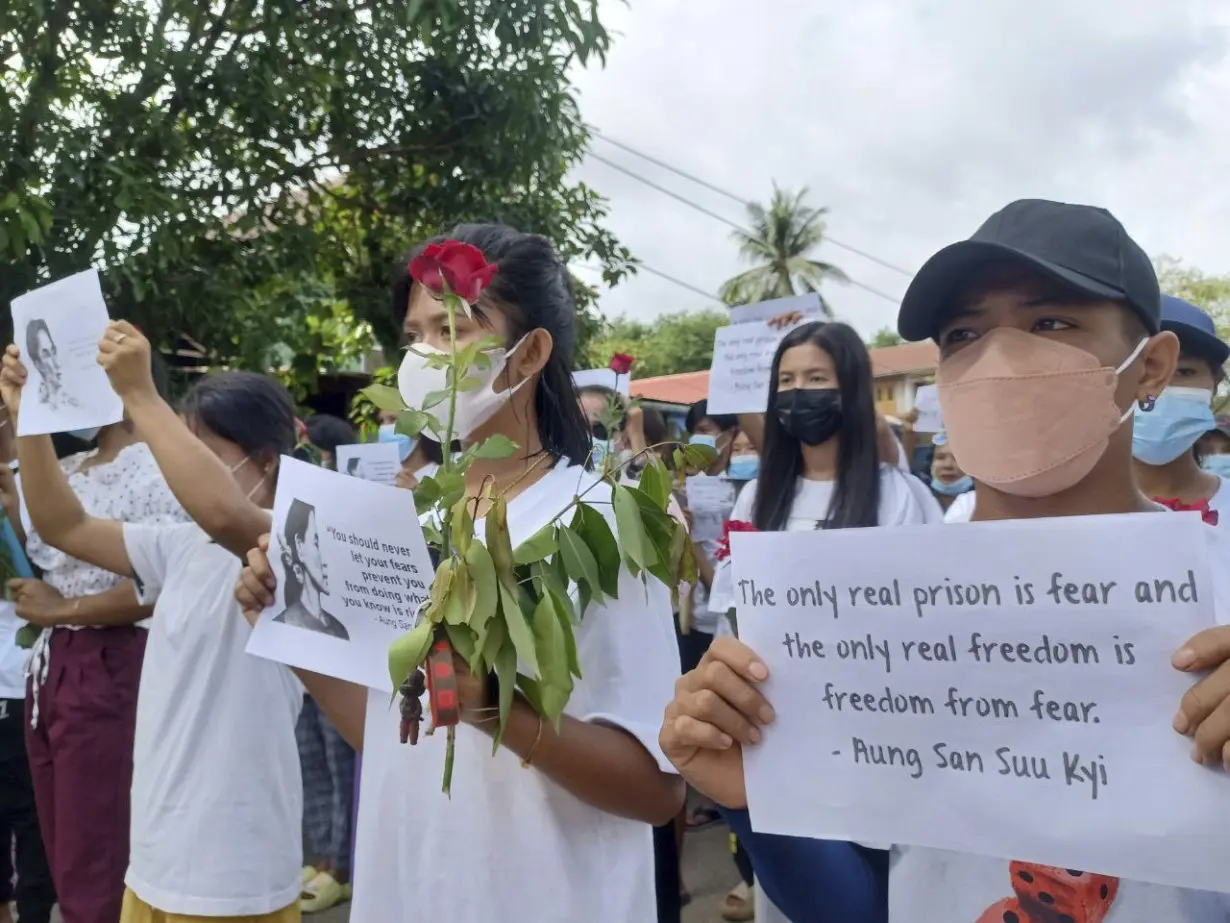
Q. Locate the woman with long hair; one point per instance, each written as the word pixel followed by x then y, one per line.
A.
pixel 556 826
pixel 216 794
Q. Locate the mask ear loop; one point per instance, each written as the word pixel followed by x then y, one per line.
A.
pixel 1149 400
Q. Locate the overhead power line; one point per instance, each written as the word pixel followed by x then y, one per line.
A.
pixel 735 198
pixel 712 214
pixel 669 278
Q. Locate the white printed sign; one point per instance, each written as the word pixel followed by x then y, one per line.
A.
pixel 371 461
pixel 352 568
pixel 927 403
pixel 1007 693
pixel 743 353
pixel 58 328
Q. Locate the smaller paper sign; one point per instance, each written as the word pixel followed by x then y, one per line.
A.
pixel 371 461
pixel 927 403
pixel 743 353
pixel 58 328
pixel 605 378
pixel 353 570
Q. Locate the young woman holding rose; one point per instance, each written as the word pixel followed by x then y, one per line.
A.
pixel 554 828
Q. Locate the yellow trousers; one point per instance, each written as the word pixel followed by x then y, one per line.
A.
pixel 137 911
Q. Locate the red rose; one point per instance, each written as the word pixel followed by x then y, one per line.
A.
pixel 621 363
pixel 459 266
pixel 731 525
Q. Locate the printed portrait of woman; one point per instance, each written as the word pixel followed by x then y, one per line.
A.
pixel 305 575
pixel 43 355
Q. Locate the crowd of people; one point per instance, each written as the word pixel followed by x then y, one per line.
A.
pixel 153 772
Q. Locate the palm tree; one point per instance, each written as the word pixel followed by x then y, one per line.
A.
pixel 781 236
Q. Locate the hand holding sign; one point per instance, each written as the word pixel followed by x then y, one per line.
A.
pixel 124 354
pixel 12 380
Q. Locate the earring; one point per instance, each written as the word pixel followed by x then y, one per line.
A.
pixel 1148 403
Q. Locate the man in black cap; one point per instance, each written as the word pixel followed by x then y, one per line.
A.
pixel 1048 321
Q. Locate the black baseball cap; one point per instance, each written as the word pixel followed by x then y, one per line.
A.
pixel 1081 247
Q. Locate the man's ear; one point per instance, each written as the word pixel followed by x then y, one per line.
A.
pixel 531 356
pixel 1160 358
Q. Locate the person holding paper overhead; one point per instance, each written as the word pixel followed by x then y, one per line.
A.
pixel 1050 328
pixel 1164 435
pixel 556 828
pixel 216 792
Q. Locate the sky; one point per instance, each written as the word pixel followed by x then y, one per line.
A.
pixel 912 122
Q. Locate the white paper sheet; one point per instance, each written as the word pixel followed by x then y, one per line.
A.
pixel 58 327
pixel 352 570
pixel 371 461
pixel 605 378
pixel 927 402
pixel 1035 725
pixel 743 353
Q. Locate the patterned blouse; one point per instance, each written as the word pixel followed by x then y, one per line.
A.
pixel 128 489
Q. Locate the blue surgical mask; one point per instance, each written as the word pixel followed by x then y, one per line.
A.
pixel 702 439
pixel 961 485
pixel 388 433
pixel 1177 420
pixel 85 435
pixel 744 468
pixel 1218 465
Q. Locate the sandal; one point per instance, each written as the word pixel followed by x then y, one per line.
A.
pixel 702 818
pixel 739 905
pixel 309 872
pixel 321 893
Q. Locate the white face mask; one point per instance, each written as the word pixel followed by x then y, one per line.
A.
pixel 415 380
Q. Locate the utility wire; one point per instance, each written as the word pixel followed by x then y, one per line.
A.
pixel 730 195
pixel 669 278
pixel 712 214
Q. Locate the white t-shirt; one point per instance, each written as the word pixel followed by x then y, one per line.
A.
pixel 904 500
pixel 511 844
pixel 12 657
pixel 217 799
pixel 962 508
pixel 708 519
pixel 936 886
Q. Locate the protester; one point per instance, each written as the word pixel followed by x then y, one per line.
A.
pixel 327 432
pixel 1214 448
pixel 81 702
pixel 22 856
pixel 568 838
pixel 948 482
pixel 1043 296
pixel 744 459
pixel 605 411
pixel 1166 430
pixel 216 791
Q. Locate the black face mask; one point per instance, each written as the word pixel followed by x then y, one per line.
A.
pixel 810 415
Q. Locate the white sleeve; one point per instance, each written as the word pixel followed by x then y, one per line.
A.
pixel 902 462
pixel 152 548
pixel 629 661
pixel 961 509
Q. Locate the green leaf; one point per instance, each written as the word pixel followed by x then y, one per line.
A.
pixel 699 456
pixel 562 607
pixel 452 487
pixel 426 495
pixel 465 644
pixel 493 641
pixel 459 598
pixel 656 483
pixel 541 544
pixel 27 635
pixel 579 562
pixel 633 539
pixel 494 447
pixel 486 588
pixel 549 644
pixel 461 527
pixel 434 398
pixel 498 541
pixel 412 422
pixel 592 526
pixel 506 677
pixel 384 397
pixel 408 652
pixel 469 383
pixel 518 627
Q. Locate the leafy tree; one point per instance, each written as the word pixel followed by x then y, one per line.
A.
pixel 248 172
pixel 671 344
pixel 1209 291
pixel 779 242
pixel 885 336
